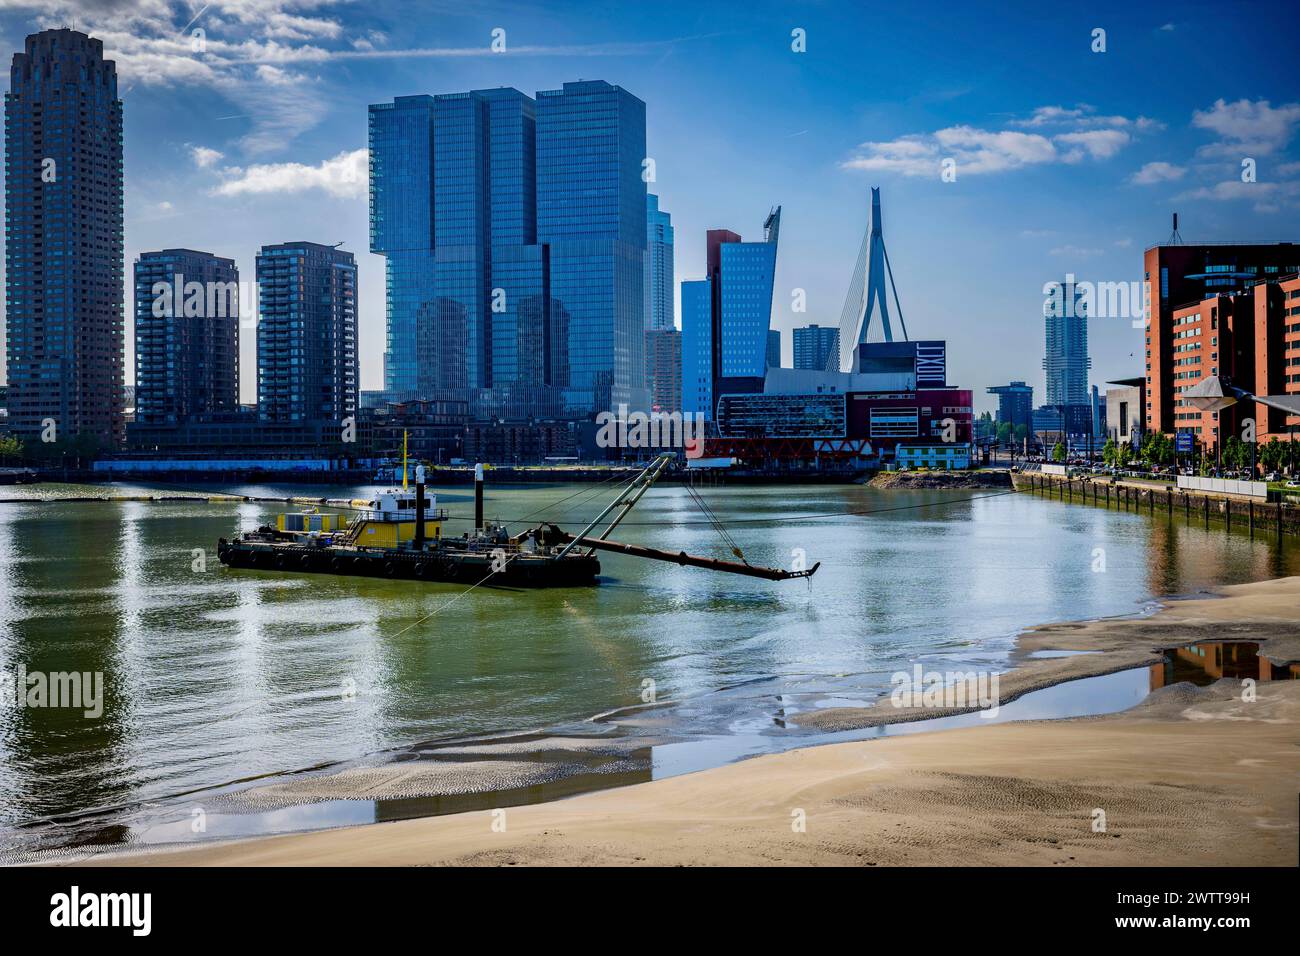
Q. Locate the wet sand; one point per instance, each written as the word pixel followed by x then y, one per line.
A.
pixel 1192 776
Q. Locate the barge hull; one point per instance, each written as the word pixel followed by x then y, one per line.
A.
pixel 528 571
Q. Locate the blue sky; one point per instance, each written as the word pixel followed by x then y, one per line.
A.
pixel 1067 160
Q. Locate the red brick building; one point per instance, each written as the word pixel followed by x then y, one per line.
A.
pixel 1221 309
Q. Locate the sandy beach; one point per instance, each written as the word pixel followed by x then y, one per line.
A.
pixel 1191 776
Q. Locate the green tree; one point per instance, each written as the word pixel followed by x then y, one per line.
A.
pixel 1235 452
pixel 1058 452
pixel 10 447
pixel 1110 452
pixel 1272 454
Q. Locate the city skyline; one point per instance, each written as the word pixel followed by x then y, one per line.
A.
pixel 1076 175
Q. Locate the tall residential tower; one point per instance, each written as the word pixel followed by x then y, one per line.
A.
pixel 307 335
pixel 64 255
pixel 186 336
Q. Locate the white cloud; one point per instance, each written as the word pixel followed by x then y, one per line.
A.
pixel 1158 172
pixel 345 176
pixel 1068 135
pixel 1247 128
pixel 1081 117
pixel 1075 252
pixel 204 156
pixel 1096 143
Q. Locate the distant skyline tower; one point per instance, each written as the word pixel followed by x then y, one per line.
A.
pixel 659 288
pixel 815 346
pixel 307 333
pixel 1065 357
pixel 697 348
pixel 186 336
pixel 65 329
pixel 1015 404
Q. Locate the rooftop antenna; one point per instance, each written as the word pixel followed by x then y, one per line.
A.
pixel 1174 238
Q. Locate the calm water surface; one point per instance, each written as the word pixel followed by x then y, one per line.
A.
pixel 220 676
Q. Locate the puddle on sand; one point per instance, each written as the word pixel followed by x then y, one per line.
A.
pixel 1203 664
pixel 632 753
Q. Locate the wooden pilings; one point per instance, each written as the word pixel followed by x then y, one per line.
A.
pixel 1280 517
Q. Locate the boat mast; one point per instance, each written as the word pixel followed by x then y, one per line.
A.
pixel 626 500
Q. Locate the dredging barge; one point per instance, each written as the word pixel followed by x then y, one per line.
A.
pixel 400 535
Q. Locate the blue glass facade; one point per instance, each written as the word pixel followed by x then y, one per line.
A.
pixel 591 212
pixel 745 308
pixel 659 313
pixel 519 279
pixel 401 228
pixel 697 347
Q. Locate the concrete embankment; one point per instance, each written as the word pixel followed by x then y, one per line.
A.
pixel 1229 511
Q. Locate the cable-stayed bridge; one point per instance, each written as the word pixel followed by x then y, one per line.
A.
pixel 866 295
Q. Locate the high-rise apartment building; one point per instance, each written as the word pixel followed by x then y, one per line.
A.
pixel 815 345
pixel 1066 361
pixel 659 313
pixel 64 254
pixel 307 333
pixel 186 336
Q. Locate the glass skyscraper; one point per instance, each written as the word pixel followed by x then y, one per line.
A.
pixel 591 212
pixel 697 348
pixel 186 336
pixel 726 318
pixel 745 275
pixel 401 230
pixel 659 311
pixel 307 334
pixel 63 255
pixel 527 296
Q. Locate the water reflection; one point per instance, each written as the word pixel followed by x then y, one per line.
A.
pixel 219 676
pixel 1203 664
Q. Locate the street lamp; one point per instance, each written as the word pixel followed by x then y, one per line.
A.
pixel 1216 392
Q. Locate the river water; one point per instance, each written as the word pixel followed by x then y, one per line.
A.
pixel 215 677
